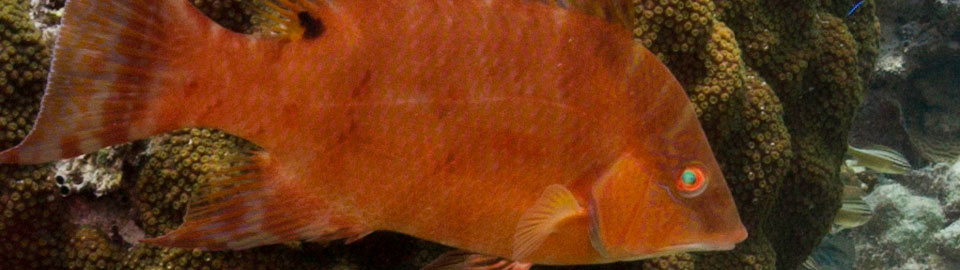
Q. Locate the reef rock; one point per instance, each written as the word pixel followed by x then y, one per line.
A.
pixel 914 92
pixel 912 106
pixel 912 228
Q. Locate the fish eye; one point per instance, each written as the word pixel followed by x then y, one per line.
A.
pixel 691 182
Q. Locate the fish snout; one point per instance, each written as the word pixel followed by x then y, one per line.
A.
pixel 726 240
pixel 718 235
pixel 723 225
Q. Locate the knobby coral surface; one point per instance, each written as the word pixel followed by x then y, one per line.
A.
pixel 32 227
pixel 775 84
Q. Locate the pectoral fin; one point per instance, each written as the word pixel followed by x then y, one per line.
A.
pixel 554 206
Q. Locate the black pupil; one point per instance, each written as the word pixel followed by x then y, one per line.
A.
pixel 312 27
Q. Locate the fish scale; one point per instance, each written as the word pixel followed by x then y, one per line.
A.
pixel 520 132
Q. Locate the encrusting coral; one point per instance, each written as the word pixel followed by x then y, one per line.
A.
pixel 32 224
pixel 775 85
pixel 90 248
pixel 173 165
pixel 33 227
pixel 236 15
pixel 24 61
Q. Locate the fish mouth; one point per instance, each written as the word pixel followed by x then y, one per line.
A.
pixel 722 242
pixel 692 247
pixel 697 247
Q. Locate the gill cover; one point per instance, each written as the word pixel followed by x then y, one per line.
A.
pixel 611 211
pixel 638 212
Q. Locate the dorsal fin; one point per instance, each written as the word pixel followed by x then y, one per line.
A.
pixel 621 12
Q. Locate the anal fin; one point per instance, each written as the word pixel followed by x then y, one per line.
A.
pixel 250 205
pixel 462 260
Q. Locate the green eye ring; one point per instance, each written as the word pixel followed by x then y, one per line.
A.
pixel 691 181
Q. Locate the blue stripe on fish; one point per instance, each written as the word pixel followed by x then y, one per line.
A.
pixel 854 8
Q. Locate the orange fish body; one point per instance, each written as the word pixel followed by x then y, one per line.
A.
pixel 506 128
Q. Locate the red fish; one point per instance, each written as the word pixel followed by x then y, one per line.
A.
pixel 509 129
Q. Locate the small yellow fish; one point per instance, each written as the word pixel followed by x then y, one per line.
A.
pixel 879 158
pixel 810 264
pixel 854 211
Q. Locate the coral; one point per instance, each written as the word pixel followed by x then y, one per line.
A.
pixel 173 166
pixel 33 224
pixel 755 253
pixel 237 15
pixel 24 61
pixel 678 261
pixel 176 165
pixel 276 257
pixel 90 249
pixel 776 84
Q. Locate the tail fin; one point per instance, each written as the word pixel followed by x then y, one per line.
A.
pixel 110 67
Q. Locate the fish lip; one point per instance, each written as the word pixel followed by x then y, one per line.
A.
pixel 722 243
pixel 693 247
pixel 718 242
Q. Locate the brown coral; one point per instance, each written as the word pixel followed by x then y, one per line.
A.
pixel 32 224
pixel 174 164
pixel 275 257
pixel 236 15
pixel 174 168
pixel 33 227
pixel 90 249
pixel 776 83
pixel 24 61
